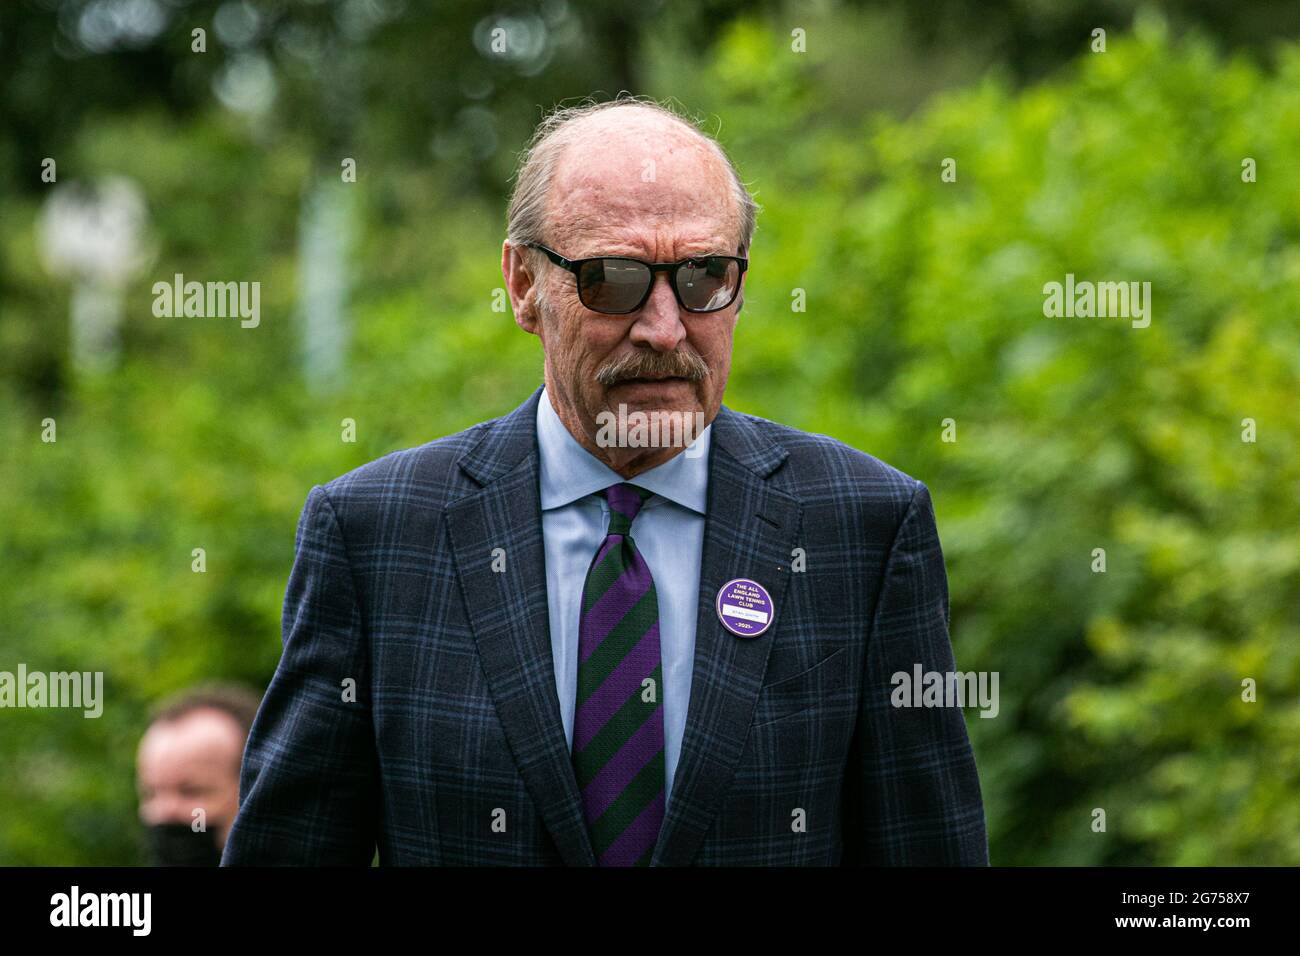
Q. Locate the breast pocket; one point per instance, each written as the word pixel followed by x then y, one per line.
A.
pixel 821 685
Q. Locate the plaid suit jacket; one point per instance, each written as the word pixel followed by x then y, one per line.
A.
pixel 414 707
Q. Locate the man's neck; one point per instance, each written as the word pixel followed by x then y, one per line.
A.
pixel 626 462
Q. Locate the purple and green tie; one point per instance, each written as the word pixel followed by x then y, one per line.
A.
pixel 618 724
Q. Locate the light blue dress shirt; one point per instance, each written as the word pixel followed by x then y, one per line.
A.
pixel 669 533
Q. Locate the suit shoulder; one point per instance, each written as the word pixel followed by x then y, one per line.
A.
pixel 425 471
pixel 822 460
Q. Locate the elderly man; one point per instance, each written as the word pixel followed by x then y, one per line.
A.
pixel 550 640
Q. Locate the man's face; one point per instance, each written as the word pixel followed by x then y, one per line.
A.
pixel 188 763
pixel 604 200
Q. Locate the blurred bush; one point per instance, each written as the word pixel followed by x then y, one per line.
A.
pixel 1120 691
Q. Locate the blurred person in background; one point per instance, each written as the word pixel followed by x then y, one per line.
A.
pixel 187 772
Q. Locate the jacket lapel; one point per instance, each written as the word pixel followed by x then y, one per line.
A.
pixel 750 531
pixel 508 613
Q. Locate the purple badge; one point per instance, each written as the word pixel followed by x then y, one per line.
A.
pixel 744 607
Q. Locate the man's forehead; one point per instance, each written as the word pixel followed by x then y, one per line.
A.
pixel 202 732
pixel 627 161
pixel 640 240
pixel 597 218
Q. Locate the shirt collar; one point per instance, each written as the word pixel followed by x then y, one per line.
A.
pixel 570 472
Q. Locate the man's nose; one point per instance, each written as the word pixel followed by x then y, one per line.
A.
pixel 659 323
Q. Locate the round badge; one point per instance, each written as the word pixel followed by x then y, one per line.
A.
pixel 744 607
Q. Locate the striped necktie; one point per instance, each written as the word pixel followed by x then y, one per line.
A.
pixel 618 724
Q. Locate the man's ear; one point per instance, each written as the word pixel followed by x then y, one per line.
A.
pixel 520 287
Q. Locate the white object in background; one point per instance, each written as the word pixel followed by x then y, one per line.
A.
pixel 94 236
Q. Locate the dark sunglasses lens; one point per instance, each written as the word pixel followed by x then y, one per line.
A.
pixel 612 285
pixel 709 284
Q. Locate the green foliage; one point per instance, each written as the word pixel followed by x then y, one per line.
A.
pixel 1119 690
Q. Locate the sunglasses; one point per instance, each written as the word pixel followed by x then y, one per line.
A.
pixel 616 285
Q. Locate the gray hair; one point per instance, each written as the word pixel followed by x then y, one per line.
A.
pixel 526 216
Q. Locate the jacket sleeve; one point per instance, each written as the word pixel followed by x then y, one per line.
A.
pixel 912 793
pixel 309 782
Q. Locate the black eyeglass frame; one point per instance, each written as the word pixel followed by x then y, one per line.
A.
pixel 575 266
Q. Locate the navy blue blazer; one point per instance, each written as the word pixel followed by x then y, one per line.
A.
pixel 414 706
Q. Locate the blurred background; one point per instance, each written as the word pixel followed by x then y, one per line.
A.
pixel 379 304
